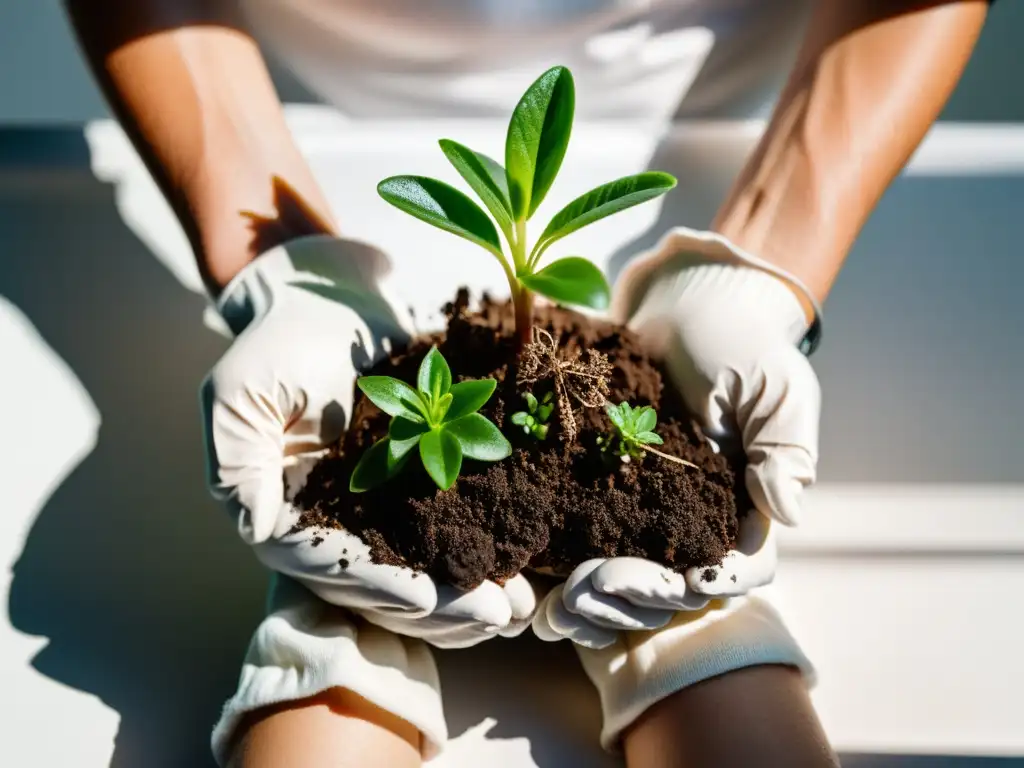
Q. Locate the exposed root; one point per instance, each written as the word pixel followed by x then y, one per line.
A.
pixel 581 377
pixel 668 456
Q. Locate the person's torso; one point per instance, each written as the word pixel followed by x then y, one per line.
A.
pixel 635 59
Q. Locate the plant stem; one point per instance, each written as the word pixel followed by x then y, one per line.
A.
pixel 522 297
pixel 519 249
pixel 534 258
pixel 523 300
pixel 676 459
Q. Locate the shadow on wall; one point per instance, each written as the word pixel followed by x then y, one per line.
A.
pixel 131 571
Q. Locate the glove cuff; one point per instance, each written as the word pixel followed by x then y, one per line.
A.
pixel 642 668
pixel 319 263
pixel 689 263
pixel 763 295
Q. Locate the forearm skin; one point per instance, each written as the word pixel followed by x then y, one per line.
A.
pixel 192 91
pixel 870 80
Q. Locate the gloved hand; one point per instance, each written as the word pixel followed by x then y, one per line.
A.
pixel 603 597
pixel 729 331
pixel 307 317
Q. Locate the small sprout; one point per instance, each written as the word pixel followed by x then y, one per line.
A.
pixel 534 420
pixel 634 427
pixel 635 433
pixel 438 416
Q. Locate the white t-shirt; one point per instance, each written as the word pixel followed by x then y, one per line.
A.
pixel 636 59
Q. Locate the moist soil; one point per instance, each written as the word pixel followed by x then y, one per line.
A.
pixel 552 504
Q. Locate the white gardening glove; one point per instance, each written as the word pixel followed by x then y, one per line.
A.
pixel 603 597
pixel 729 331
pixel 307 317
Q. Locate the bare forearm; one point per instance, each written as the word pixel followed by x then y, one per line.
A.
pixel 871 79
pixel 192 91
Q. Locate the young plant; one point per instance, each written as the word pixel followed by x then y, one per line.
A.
pixel 535 144
pixel 635 433
pixel 534 420
pixel 439 417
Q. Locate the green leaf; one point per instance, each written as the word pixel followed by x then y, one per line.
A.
pixel 394 397
pixel 480 439
pixel 531 401
pixel 519 418
pixel 486 177
pixel 646 419
pixel 616 416
pixel 375 466
pixel 434 377
pixel 650 438
pixel 443 206
pixel 571 281
pixel 442 457
pixel 544 412
pixel 537 137
pixel 605 200
pixel 441 408
pixel 469 396
pixel 404 435
pixel 629 417
pixel 402 429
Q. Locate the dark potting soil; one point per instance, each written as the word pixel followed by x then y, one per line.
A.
pixel 551 504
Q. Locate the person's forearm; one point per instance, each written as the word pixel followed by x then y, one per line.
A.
pixel 193 93
pixel 871 79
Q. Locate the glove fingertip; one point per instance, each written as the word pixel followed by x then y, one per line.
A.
pixel 522 597
pixel 710 580
pixel 541 626
pixel 780 498
pixel 256 525
pixel 582 572
pixel 594 643
pixel 515 628
pixel 260 500
pixel 487 604
pixel 621 574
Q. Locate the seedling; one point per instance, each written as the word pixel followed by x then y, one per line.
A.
pixel 635 433
pixel 438 416
pixel 534 420
pixel 535 145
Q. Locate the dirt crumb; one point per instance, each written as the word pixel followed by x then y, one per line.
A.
pixel 553 503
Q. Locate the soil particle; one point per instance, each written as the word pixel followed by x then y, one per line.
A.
pixel 552 504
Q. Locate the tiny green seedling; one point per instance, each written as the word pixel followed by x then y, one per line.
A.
pixel 438 416
pixel 534 420
pixel 635 433
pixel 535 145
pixel 635 428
